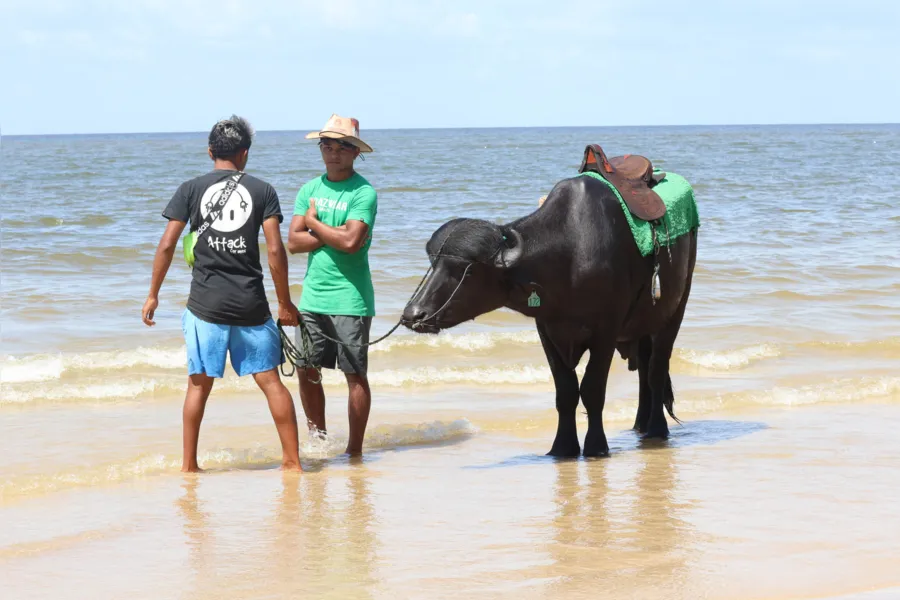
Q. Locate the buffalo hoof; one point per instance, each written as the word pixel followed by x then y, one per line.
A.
pixel 565 450
pixel 657 430
pixel 595 443
pixel 640 423
pixel 596 452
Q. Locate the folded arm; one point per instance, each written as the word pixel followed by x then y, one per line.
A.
pixel 299 238
pixel 348 238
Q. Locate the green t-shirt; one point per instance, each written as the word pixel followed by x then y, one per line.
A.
pixel 338 283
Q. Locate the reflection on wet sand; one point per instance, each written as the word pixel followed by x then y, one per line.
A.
pixel 616 537
pixel 324 535
pixel 199 537
pixel 319 541
pixel 662 520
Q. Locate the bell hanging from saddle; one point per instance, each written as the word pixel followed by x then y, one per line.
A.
pixel 655 289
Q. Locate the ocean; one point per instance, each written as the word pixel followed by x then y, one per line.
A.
pixel 785 371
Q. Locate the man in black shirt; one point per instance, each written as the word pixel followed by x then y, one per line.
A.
pixel 227 310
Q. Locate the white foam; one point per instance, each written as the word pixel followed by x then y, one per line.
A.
pixel 519 374
pixel 474 341
pixel 103 391
pixel 46 367
pixel 141 466
pixel 318 445
pixel 49 367
pixel 839 391
pixel 15 370
pixel 729 359
pixel 124 388
pixel 381 437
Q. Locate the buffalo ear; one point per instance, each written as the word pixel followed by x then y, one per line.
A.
pixel 510 250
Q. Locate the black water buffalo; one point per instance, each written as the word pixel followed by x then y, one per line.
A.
pixel 574 267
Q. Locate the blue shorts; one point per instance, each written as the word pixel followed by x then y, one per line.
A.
pixel 253 349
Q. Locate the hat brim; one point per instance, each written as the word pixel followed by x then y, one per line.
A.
pixel 333 135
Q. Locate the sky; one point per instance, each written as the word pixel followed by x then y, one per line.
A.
pixel 92 66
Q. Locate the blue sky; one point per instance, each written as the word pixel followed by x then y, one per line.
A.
pixel 93 66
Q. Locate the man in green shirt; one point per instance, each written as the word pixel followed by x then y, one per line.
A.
pixel 333 220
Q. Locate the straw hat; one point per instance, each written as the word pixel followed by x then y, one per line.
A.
pixel 341 128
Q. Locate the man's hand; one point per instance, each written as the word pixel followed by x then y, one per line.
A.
pixel 288 314
pixel 162 260
pixel 150 307
pixel 311 212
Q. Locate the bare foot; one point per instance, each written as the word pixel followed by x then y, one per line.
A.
pixel 291 466
pixel 192 469
pixel 353 451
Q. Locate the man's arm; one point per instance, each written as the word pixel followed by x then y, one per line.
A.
pixel 299 238
pixel 161 263
pixel 348 238
pixel 278 266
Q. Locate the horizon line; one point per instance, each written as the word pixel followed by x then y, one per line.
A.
pixel 485 128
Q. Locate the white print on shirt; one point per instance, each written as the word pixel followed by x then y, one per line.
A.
pixel 328 204
pixel 235 246
pixel 236 211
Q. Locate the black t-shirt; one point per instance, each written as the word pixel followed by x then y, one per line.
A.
pixel 227 286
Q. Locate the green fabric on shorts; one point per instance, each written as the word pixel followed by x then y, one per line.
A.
pixel 327 354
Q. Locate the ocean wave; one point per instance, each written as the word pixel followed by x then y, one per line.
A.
pixel 423 376
pixel 173 385
pixel 46 367
pixel 91 220
pixel 472 342
pixel 838 391
pixel 727 360
pixel 381 437
pixel 93 392
pixel 413 350
pixel 56 261
pixel 888 347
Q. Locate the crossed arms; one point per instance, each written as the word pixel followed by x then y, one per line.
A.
pixel 307 233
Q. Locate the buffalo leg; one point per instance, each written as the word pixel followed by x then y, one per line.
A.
pixel 658 376
pixel 658 373
pixel 645 396
pixel 593 396
pixel 663 342
pixel 566 382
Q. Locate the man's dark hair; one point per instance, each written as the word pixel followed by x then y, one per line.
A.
pixel 230 136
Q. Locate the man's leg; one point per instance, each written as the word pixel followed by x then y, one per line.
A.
pixel 199 387
pixel 281 405
pixel 312 396
pixel 256 350
pixel 207 346
pixel 353 360
pixel 322 353
pixel 358 405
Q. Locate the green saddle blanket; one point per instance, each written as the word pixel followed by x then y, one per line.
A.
pixel 681 212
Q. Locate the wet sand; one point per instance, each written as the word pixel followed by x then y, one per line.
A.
pixel 776 503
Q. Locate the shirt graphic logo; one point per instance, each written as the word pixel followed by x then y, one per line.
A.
pixel 236 211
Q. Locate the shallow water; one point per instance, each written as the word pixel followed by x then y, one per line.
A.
pixel 778 485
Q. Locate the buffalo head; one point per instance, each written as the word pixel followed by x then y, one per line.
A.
pixel 470 261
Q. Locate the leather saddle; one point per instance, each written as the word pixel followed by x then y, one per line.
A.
pixel 633 176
